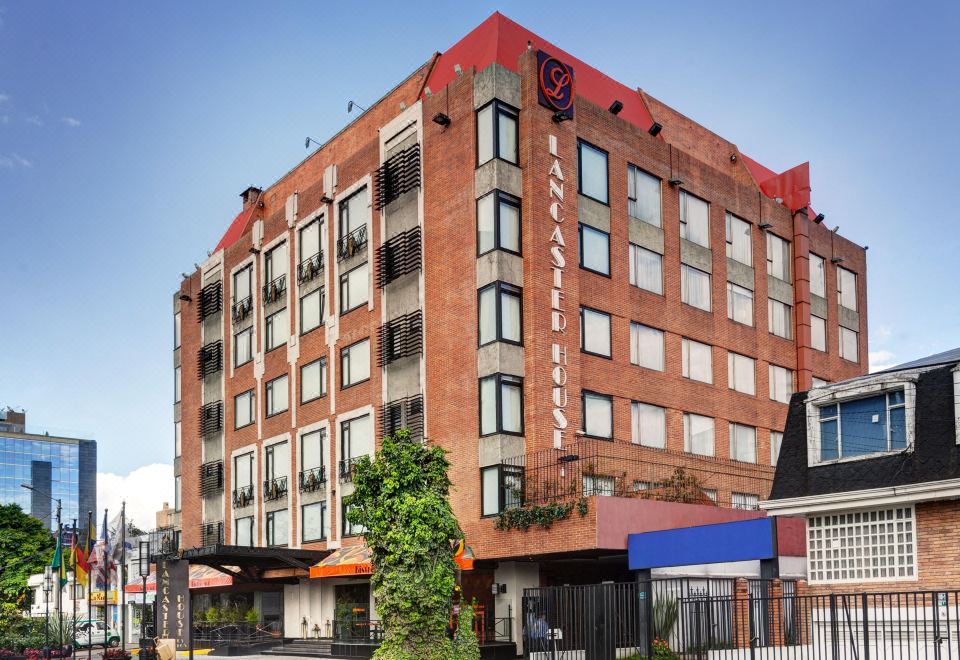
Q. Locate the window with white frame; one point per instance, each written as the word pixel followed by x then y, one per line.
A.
pixel 695 287
pixel 501 404
pixel 648 424
pixel 594 332
pixel 278 399
pixel 176 493
pixel 597 415
pixel 849 344
pixel 743 443
pixel 176 384
pixel 746 501
pixel 776 441
pixel 314 522
pixel 694 219
pixel 698 434
pixel 498 223
pixel 643 196
pixel 697 361
pixel 176 330
pixel 739 245
pixel 778 258
pixel 354 288
pixel 780 318
pixel 500 312
pixel 497 133
pixel 311 310
pixel 646 347
pixel 741 373
pixel 818 333
pixel 739 304
pixel 594 250
pixel 781 383
pixel 313 380
pixel 818 275
pixel 177 439
pixel 243 347
pixel 243 531
pixel 278 528
pixel 596 484
pixel 864 426
pixel 592 171
pixel 847 289
pixel 646 269
pixel 278 329
pixel 862 546
pixel 243 409
pixel 355 363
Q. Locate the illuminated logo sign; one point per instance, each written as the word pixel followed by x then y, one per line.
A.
pixel 555 84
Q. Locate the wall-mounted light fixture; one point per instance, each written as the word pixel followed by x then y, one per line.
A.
pixel 308 140
pixel 655 129
pixel 765 226
pixel 254 250
pixel 441 119
pixel 837 260
pixel 819 218
pixel 326 199
pixel 559 116
pixel 185 298
pixel 675 182
pixel 616 107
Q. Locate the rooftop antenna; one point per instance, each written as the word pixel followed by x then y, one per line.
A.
pixel 350 105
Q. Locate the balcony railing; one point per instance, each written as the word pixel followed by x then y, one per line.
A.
pixel 242 497
pixel 210 359
pixel 345 469
pixel 210 300
pixel 274 489
pixel 211 478
pixel 352 243
pixel 313 480
pixel 358 630
pixel 310 268
pixel 211 533
pixel 164 542
pixel 241 309
pixel 211 417
pixel 274 290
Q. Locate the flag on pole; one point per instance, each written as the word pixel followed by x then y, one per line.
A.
pixel 84 554
pixel 58 564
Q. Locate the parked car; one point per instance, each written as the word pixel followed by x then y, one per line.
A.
pixel 95 633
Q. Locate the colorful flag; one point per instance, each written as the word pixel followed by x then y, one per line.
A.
pixel 84 552
pixel 58 564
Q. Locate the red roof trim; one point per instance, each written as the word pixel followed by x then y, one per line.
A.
pixel 236 229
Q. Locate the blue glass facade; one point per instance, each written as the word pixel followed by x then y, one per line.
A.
pixel 55 468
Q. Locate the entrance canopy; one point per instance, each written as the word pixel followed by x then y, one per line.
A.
pixel 201 577
pixel 358 560
pixel 248 564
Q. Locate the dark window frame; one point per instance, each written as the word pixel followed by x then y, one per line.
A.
pixel 499 107
pixel 269 332
pixel 343 280
pixel 253 407
pixel 501 288
pixel 235 343
pixel 630 168
pixel 270 530
pixel 268 265
pixel 323 379
pixel 253 536
pixel 583 413
pixel 503 471
pixel 343 211
pixel 580 228
pixel 583 334
pixel 346 350
pixel 501 197
pixel 300 256
pixel 322 434
pixel 323 522
pixel 268 390
pixel 499 379
pixel 580 144
pixel 345 440
pixel 322 292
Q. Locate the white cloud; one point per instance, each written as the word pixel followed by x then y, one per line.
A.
pixel 880 360
pixel 70 121
pixel 11 161
pixel 144 490
pixel 34 119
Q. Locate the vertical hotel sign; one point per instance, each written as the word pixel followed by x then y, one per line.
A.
pixel 173 602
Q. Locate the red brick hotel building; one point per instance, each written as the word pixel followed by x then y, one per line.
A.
pixel 580 293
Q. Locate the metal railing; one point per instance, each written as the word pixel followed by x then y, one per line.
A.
pixel 274 489
pixel 358 630
pixel 211 533
pixel 241 309
pixel 163 542
pixel 345 469
pixel 274 289
pixel 352 243
pixel 215 633
pixel 310 268
pixel 243 496
pixel 313 479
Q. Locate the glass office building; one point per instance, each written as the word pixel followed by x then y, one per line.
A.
pixel 54 468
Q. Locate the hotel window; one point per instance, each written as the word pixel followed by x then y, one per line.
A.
pixel 778 257
pixel 780 318
pixel 870 425
pixel 711 494
pixel 746 501
pixel 847 289
pixel 739 245
pixel 353 215
pixel 649 425
pixel 276 461
pixel 354 288
pixel 277 396
pixel 743 443
pixel 176 330
pixel 646 347
pixel 176 385
pixel 498 223
pixel 243 409
pixel 594 332
pixel 242 284
pixel 242 474
pixel 313 380
pixel 594 250
pixel 501 404
pixel 818 333
pixel 275 263
pixel 311 311
pixel 497 133
pixel 739 304
pixel 278 528
pixel 349 528
pixel 781 383
pixel 355 363
pixel 243 347
pixel 742 373
pixel 595 484
pixel 694 219
pixel 640 486
pixel 695 287
pixel 278 329
pixel 501 488
pixel 646 269
pixel 698 432
pixel 310 240
pixel 776 441
pixel 177 439
pixel 311 450
pixel 878 545
pixel 243 531
pixel 176 493
pixel 597 415
pixel 592 172
pixel 356 438
pixel 314 522
pixel 849 344
pixel 500 314
pixel 818 275
pixel 643 196
pixel 697 361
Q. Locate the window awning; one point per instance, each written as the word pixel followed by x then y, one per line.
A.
pixel 358 560
pixel 201 577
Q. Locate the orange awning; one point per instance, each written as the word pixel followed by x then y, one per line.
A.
pixel 200 578
pixel 358 560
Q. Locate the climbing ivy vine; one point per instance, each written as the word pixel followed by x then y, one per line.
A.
pixel 541 515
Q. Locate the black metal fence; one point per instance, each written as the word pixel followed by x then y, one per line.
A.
pixel 714 620
pixel 238 633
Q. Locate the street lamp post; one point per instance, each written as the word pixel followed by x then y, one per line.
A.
pixel 59 540
pixel 144 566
pixel 47 588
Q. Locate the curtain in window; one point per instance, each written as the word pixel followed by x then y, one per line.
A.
pixel 649 425
pixel 646 269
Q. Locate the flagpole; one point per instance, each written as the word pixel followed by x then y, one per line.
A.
pixel 89 552
pixel 123 576
pixel 73 624
pixel 60 587
pixel 105 562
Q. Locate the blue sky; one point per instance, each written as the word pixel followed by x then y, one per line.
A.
pixel 127 130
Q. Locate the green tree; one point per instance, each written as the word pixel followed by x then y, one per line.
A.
pixel 401 500
pixel 26 546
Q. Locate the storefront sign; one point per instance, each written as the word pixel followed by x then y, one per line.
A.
pixel 555 84
pixel 97 597
pixel 173 602
pixel 558 317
